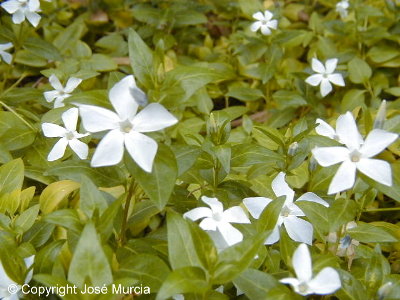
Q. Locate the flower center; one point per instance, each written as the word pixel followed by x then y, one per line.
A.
pixel 217 216
pixel 325 75
pixel 264 22
pixel 125 126
pixel 69 135
pixel 303 287
pixel 285 211
pixel 355 156
pixel 345 242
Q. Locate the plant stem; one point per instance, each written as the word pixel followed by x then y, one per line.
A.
pixel 131 191
pixel 17 115
pixel 382 209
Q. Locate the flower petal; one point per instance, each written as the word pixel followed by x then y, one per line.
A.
pixel 96 119
pixel 256 205
pixel 314 80
pixel 302 263
pixel 299 230
pixel 7 57
pixel 281 188
pixel 33 5
pixel 326 87
pixel 376 141
pixel 336 79
pixel 344 178
pixel 58 150
pixel 346 129
pixel 272 24
pixel 325 129
pixel 235 214
pixel 72 84
pixel 330 65
pixel 51 95
pixel 255 26
pixel 265 30
pixel 268 15
pixel 294 282
pixel 273 237
pixel 80 148
pixel 231 235
pixel 55 83
pixel 208 224
pixel 198 213
pixel 70 118
pixel 142 149
pixel 11 6
pixel 110 150
pixel 60 101
pixel 152 118
pixel 317 66
pixel 328 156
pixel 326 282
pixel 18 17
pixel 218 240
pixel 258 16
pixel 378 170
pixel 53 130
pixel 215 205
pixel 122 98
pixel 312 198
pixel 33 18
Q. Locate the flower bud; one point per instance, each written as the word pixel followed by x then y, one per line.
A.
pixel 293 148
pixel 380 116
pixel 312 164
pixel 384 290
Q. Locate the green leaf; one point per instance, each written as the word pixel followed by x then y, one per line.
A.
pixel 150 270
pixel 45 258
pixel 181 249
pixel 69 36
pixel 39 233
pixel 54 193
pixel 158 184
pixel 67 218
pixel 244 93
pixel 99 63
pixel 27 218
pixel 89 261
pixel 269 217
pixel 42 48
pixel 91 199
pixel 256 284
pixel 141 58
pixel 106 221
pixel 359 70
pixel 73 170
pixel 352 99
pixel 286 99
pixel 317 213
pixel 186 156
pixel 245 155
pixel 341 212
pixel 11 176
pixel 183 280
pixel 367 233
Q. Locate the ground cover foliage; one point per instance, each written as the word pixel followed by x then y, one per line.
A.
pixel 279 128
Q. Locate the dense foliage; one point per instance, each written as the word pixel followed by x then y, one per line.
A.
pixel 251 155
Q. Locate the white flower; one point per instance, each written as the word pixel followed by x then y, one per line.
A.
pixel 356 155
pixel 298 229
pixel 216 219
pixel 7 57
pixel 326 282
pixel 68 136
pixel 264 22
pixel 21 9
pixel 325 75
pixel 125 127
pixel 341 8
pixel 6 282
pixel 325 129
pixel 60 93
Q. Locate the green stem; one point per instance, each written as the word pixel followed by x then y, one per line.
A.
pixel 17 115
pixel 131 191
pixel 382 209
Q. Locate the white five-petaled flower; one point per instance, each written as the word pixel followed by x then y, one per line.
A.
pixel 327 281
pixel 341 8
pixel 21 9
pixel 60 93
pixel 7 285
pixel 125 127
pixel 216 219
pixel 325 75
pixel 7 57
pixel 264 22
pixel 356 155
pixel 327 130
pixel 298 229
pixel 68 136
